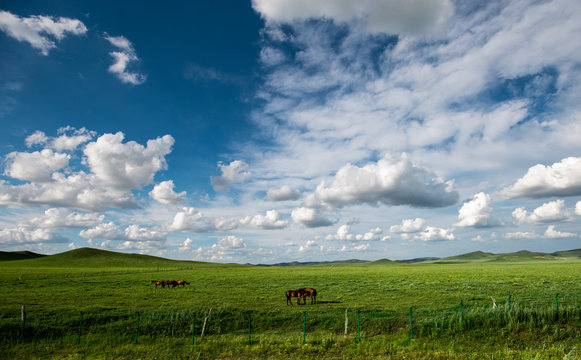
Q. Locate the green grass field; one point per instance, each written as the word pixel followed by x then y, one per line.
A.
pixel 112 290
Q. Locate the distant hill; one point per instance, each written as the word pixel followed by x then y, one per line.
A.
pixel 96 258
pixel 568 253
pixel 18 255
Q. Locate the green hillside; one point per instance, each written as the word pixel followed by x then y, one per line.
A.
pixel 18 255
pixel 96 258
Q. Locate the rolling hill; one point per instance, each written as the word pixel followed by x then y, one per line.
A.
pixel 18 255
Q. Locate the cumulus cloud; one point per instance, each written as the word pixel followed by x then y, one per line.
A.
pixel 284 193
pixel 390 181
pixel 477 212
pixel 548 212
pixel 165 194
pixel 54 218
pixel 192 219
pixel 272 220
pixel 578 208
pixel 127 165
pixel 521 235
pixel 186 246
pixel 69 138
pixel 431 233
pixel 560 179
pixel 122 59
pixel 110 231
pixel 37 166
pixel 309 217
pixel 552 233
pixel 415 17
pixel 343 233
pixel 22 235
pixel 39 31
pixel 409 226
pixel 308 246
pixel 235 172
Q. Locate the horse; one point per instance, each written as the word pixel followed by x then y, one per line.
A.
pixel 173 283
pixel 294 293
pixel 312 293
pixel 183 283
pixel 162 283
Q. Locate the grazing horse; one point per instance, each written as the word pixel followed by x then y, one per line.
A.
pixel 173 283
pixel 294 293
pixel 161 283
pixel 182 283
pixel 312 293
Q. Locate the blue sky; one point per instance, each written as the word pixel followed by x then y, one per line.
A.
pixel 265 131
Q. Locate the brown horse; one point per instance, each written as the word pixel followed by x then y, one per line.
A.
pixel 182 283
pixel 173 283
pixel 294 293
pixel 161 283
pixel 312 293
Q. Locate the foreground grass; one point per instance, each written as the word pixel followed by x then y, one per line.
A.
pixel 110 297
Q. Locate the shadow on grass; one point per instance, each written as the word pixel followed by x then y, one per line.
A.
pixel 329 302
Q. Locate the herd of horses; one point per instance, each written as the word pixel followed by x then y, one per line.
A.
pixel 301 293
pixel 168 283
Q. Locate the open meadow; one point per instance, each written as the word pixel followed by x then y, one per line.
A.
pixel 93 304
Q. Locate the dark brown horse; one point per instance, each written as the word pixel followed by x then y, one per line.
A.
pixel 161 283
pixel 312 293
pixel 294 293
pixel 183 283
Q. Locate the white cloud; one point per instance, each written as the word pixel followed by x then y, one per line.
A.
pixel 127 165
pixel 343 233
pixel 389 181
pixel 283 194
pixel 36 138
pixel 309 218
pixel 186 246
pixel 560 179
pixel 164 193
pixel 122 60
pixel 414 17
pixel 271 220
pixel 477 212
pixel 521 235
pixel 548 212
pixel 409 226
pixel 36 166
pixel 54 218
pixel 39 31
pixel 192 219
pixel 308 246
pixel 22 235
pixel 552 233
pixel 431 233
pixel 110 231
pixel 71 138
pixel 107 231
pixel 235 172
pixel 578 208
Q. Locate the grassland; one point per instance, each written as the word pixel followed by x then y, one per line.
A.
pixel 111 289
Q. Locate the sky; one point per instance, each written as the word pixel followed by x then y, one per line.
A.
pixel 266 131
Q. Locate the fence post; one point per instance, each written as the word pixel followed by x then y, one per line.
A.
pixel 304 326
pixel 346 322
pixel 249 328
pixel 461 314
pixel 557 306
pixel 193 326
pixel 137 328
pixel 23 320
pixel 80 329
pixel 358 332
pixel 411 324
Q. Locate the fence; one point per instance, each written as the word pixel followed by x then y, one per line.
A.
pixel 114 327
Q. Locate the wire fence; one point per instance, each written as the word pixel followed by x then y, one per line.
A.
pixel 124 327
